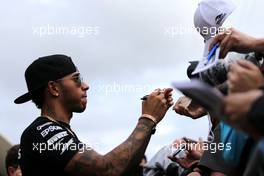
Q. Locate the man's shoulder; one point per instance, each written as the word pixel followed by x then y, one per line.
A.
pixel 38 124
pixel 46 145
pixel 38 128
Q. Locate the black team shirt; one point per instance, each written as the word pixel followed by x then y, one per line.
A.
pixel 46 147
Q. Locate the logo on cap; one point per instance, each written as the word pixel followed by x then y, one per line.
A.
pixel 219 18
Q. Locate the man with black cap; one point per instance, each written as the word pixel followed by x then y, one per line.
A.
pixel 50 147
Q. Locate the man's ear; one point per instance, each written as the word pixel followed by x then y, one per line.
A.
pixel 11 170
pixel 53 88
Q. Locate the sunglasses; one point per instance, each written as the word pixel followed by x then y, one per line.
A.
pixel 78 79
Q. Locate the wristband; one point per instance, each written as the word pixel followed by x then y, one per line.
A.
pixel 150 117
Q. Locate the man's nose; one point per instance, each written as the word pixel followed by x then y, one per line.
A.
pixel 85 86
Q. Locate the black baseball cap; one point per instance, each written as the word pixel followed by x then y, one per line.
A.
pixel 43 70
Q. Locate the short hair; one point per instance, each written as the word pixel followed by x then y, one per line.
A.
pixel 12 157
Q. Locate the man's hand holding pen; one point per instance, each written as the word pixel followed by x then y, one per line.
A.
pixel 157 103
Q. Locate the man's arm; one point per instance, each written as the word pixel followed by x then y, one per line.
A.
pixel 114 163
pixel 130 152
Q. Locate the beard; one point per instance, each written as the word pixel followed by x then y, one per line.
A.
pixel 79 107
pixel 74 104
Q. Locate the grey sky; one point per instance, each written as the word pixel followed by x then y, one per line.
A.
pixel 129 45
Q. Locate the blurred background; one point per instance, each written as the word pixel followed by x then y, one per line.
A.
pixel 124 50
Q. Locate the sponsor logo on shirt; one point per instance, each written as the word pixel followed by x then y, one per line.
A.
pixel 50 129
pixel 45 124
pixel 56 137
pixel 65 146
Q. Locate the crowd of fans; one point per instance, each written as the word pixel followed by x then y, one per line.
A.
pixel 238 74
